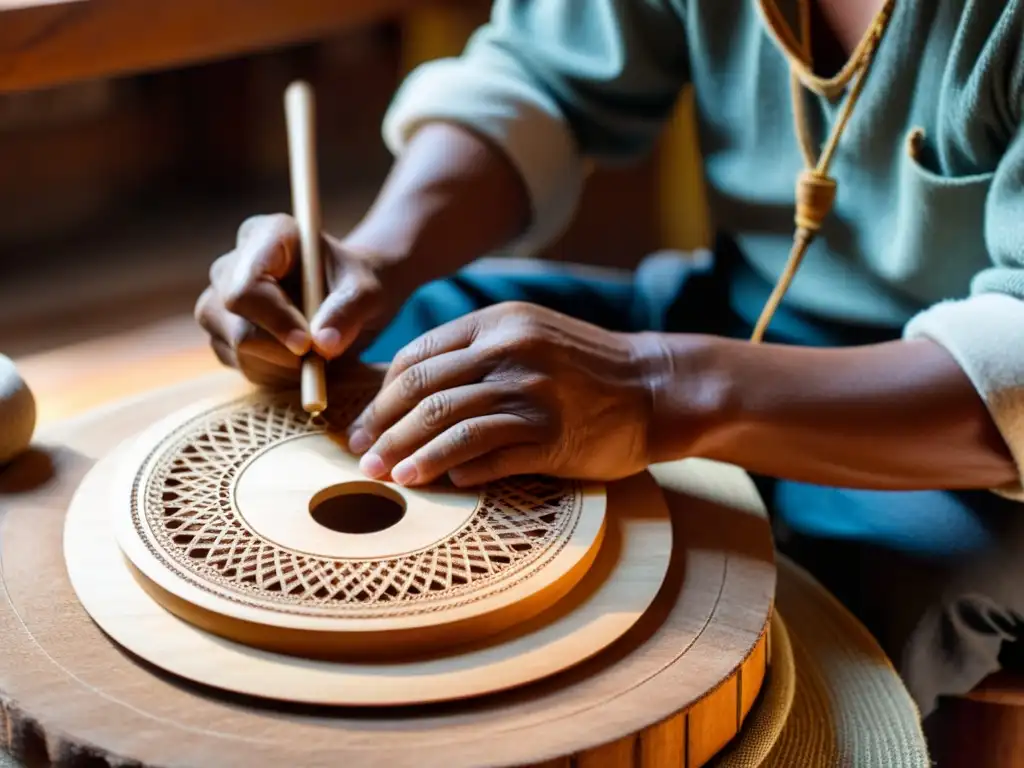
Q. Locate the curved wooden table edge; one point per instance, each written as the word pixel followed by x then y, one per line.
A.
pixel 24 731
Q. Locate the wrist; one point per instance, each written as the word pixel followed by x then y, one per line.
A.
pixel 450 198
pixel 386 240
pixel 406 251
pixel 692 395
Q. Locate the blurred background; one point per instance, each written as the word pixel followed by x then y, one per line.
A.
pixel 118 192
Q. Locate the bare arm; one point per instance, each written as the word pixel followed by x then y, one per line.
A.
pixel 896 416
pixel 491 147
pixel 450 197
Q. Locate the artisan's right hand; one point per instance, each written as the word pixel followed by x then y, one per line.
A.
pixel 252 308
pixel 450 198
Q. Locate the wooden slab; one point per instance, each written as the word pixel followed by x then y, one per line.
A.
pixel 46 44
pixel 244 558
pixel 609 600
pixel 63 680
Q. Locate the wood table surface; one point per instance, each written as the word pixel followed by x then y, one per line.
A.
pixel 71 380
pixel 729 538
pixel 45 43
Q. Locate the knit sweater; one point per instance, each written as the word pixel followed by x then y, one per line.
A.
pixel 927 232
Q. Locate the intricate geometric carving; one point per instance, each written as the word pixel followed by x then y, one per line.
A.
pixel 184 510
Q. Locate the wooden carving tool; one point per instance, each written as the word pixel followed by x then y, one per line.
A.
pixel 300 115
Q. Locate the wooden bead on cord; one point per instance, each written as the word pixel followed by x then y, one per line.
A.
pixel 815 196
pixel 815 189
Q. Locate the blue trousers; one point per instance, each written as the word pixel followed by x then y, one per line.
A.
pixel 937 577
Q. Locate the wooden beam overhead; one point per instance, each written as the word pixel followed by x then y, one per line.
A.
pixel 46 43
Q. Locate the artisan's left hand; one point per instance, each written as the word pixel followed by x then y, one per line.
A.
pixel 512 389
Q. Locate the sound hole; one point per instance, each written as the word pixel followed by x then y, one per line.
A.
pixel 357 508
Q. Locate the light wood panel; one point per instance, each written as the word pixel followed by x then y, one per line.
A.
pixel 606 602
pixel 979 734
pixel 65 679
pixel 682 198
pixel 985 728
pixel 48 44
pixel 73 379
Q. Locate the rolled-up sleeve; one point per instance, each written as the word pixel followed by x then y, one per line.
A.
pixel 985 331
pixel 556 85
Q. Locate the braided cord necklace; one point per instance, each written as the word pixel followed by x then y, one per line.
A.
pixel 815 189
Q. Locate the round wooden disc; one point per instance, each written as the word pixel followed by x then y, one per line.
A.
pixel 674 688
pixel 219 521
pixel 614 593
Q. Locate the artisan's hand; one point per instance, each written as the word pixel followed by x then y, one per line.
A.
pixel 450 198
pixel 252 308
pixel 512 389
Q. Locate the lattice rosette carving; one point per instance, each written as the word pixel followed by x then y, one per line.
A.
pixel 184 510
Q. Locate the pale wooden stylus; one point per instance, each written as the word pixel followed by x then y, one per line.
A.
pixel 300 115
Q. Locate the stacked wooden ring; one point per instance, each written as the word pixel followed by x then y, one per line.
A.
pixel 235 545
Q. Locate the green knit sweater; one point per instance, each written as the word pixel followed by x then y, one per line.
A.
pixel 928 227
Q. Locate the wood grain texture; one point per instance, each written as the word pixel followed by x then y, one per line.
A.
pixel 42 45
pixel 300 114
pixel 61 677
pixel 978 733
pixel 114 366
pixel 434 542
pixel 664 743
pixel 1004 687
pixel 712 725
pixel 985 728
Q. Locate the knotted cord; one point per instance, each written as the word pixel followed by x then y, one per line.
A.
pixel 815 189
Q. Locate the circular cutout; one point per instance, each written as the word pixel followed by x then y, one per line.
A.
pixel 357 508
pixel 269 492
pixel 720 581
pixel 218 526
pixel 615 592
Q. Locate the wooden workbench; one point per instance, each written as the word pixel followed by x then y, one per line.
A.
pixel 45 43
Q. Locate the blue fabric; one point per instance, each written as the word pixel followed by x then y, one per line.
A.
pixel 722 297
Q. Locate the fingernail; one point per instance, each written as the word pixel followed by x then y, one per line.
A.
pixel 372 465
pixel 359 441
pixel 297 342
pixel 405 473
pixel 328 341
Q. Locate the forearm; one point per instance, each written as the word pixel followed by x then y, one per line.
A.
pixel 450 198
pixel 894 416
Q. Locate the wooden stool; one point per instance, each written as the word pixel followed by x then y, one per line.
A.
pixel 984 729
pixel 824 711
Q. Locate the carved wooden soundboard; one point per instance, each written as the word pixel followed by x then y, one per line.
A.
pixel 205 616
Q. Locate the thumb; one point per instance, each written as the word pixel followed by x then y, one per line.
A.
pixel 351 304
pixel 249 280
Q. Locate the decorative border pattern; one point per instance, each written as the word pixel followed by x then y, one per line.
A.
pixel 183 510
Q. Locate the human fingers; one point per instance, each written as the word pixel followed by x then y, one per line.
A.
pixel 248 280
pixel 514 460
pixel 239 344
pixel 353 301
pixel 454 335
pixel 464 442
pixel 432 416
pixel 415 384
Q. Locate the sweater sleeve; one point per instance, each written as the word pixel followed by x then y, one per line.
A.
pixel 556 85
pixel 985 331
